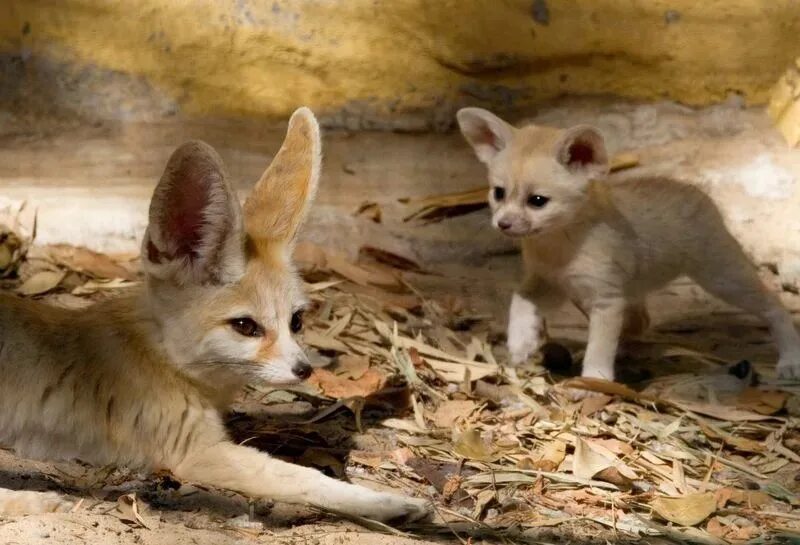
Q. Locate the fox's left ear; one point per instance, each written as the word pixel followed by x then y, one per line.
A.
pixel 582 150
pixel 195 232
pixel 275 210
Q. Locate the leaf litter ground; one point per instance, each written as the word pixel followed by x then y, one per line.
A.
pixel 410 392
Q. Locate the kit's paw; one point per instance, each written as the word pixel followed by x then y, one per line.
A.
pixel 789 367
pixel 525 331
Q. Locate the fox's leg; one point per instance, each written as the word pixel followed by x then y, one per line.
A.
pixel 526 326
pixel 606 318
pixel 25 502
pixel 734 280
pixel 253 473
pixel 636 321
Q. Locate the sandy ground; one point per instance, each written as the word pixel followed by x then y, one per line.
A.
pixel 92 185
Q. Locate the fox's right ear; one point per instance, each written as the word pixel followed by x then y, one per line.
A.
pixel 486 133
pixel 195 230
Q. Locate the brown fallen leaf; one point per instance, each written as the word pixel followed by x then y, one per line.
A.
pixel 84 260
pixel 389 258
pixel 339 387
pixel 602 386
pixel 41 282
pixel 351 366
pixel 552 455
pixel 308 256
pixel 721 412
pixel 687 510
pixel 128 510
pixel 470 444
pixel 452 410
pixel 587 462
pixel 754 499
pixel 322 458
pixel 370 210
pixel 740 443
pixel 762 401
pixel 360 275
pixel 12 251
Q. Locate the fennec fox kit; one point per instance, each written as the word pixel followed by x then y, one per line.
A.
pixel 140 380
pixel 605 245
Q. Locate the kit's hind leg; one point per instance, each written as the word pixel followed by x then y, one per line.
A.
pixel 26 502
pixel 728 274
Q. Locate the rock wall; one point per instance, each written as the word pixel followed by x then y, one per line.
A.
pixel 403 64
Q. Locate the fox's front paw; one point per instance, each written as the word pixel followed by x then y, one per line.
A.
pixel 525 330
pixel 399 509
pixel 789 367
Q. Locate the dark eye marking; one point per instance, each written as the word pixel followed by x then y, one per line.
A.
pixel 538 201
pixel 246 327
pixel 296 324
pixel 498 193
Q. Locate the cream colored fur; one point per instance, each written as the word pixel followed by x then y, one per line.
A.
pixel 141 380
pixel 605 245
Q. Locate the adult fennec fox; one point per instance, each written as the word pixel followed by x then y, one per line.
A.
pixel 140 380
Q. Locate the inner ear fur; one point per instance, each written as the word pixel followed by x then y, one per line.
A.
pixel 194 232
pixel 484 131
pixel 582 149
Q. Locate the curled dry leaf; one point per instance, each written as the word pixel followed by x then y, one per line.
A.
pixel 761 401
pixel 41 282
pixel 687 510
pixel 552 455
pixel 84 260
pixel 341 387
pixel 351 366
pixel 370 210
pixel 587 462
pixel 602 386
pixel 471 445
pixel 451 411
pixel 128 510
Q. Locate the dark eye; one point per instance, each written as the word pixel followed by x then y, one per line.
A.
pixel 538 201
pixel 246 327
pixel 499 193
pixel 297 322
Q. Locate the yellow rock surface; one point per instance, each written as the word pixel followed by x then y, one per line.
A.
pixel 262 58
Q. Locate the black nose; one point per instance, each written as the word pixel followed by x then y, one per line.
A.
pixel 302 370
pixel 504 225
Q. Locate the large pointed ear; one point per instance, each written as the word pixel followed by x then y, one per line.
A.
pixel 486 133
pixel 581 149
pixel 195 230
pixel 278 204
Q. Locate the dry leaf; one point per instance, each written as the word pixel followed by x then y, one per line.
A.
pixel 370 210
pixel 754 499
pixel 84 260
pixel 762 401
pixel 339 387
pixel 390 258
pixel 721 412
pixel 351 366
pixel 687 510
pixel 470 445
pixel 602 386
pixel 450 411
pixel 41 282
pixel 552 456
pixel 309 256
pixel 128 510
pixel 587 462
